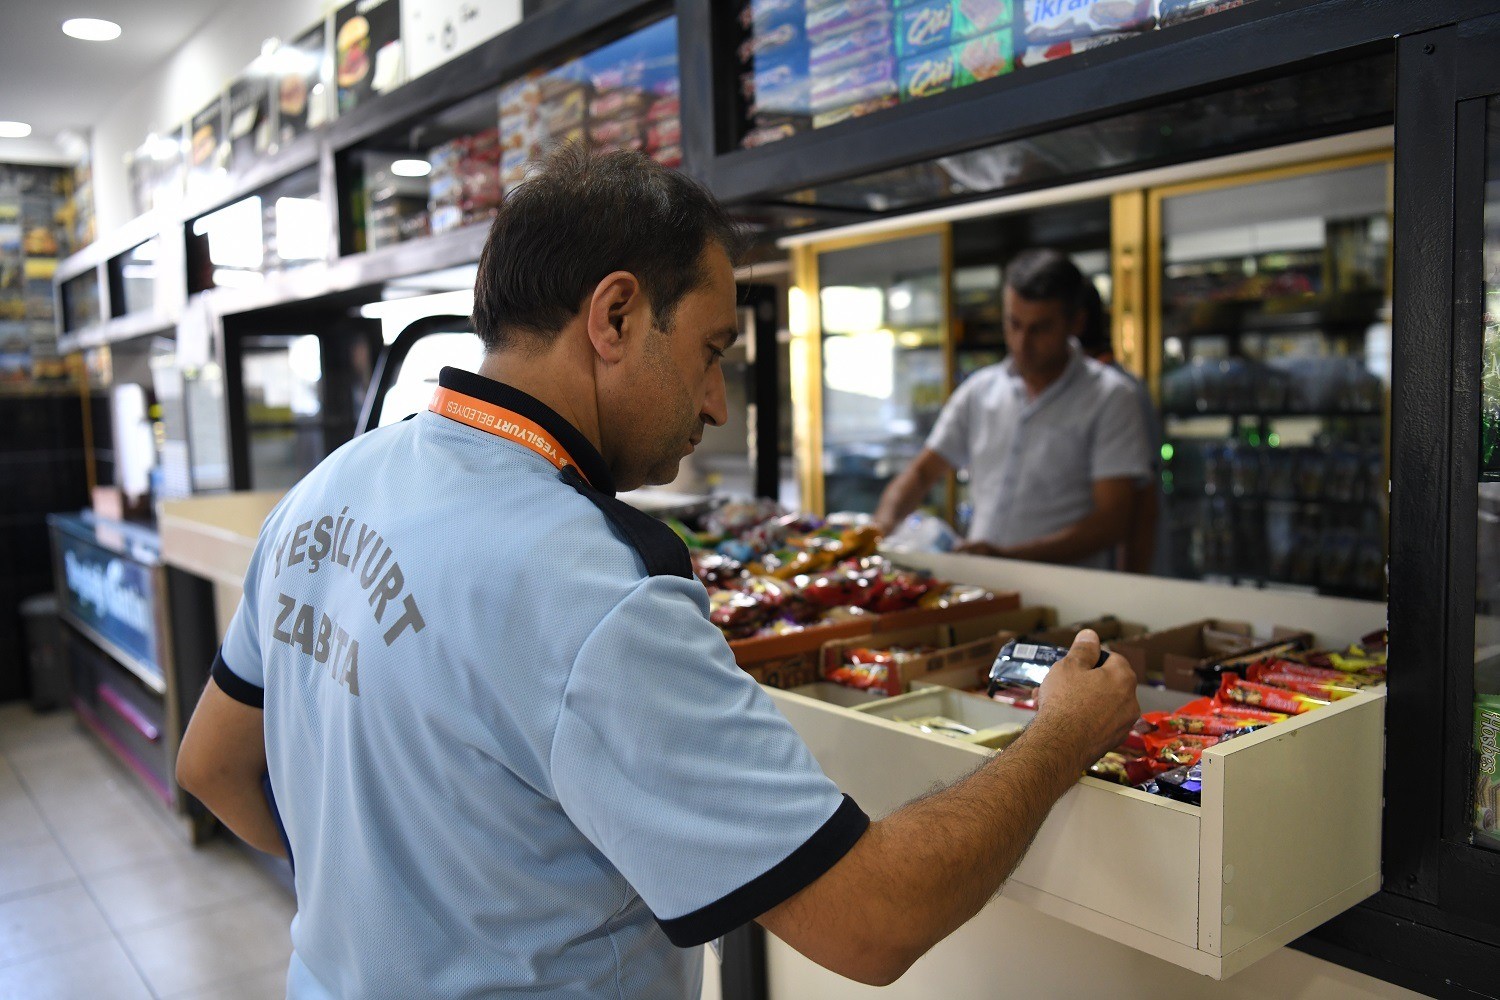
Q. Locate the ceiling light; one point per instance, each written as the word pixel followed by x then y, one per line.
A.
pixel 411 168
pixel 14 130
pixel 91 29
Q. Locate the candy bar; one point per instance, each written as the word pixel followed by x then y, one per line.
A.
pixel 830 19
pixel 856 110
pixel 937 23
pixel 1062 20
pixel 957 65
pixel 1234 688
pixel 869 40
pixel 1178 748
pixel 852 85
pixel 1036 55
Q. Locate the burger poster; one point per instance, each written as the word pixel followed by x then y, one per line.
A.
pixel 301 84
pixel 366 51
pixel 206 148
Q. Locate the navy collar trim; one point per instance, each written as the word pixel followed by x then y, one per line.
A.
pixel 590 462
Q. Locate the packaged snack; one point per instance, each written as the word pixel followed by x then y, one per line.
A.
pixel 1236 689
pixel 1487 779
pixel 1062 20
pixel 856 110
pixel 1239 716
pixel 830 19
pixel 1178 748
pixel 870 39
pixel 958 65
pixel 1125 768
pixel 859 83
pixel 1036 55
pixel 1176 11
pixel 1025 664
pixel 1185 784
pixel 786 37
pixel 1017 697
pixel 870 669
pixel 936 23
pixel 766 14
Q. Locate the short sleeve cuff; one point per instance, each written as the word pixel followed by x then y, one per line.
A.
pixel 795 872
pixel 234 685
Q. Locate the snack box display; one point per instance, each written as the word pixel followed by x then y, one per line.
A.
pixel 1060 20
pixel 958 65
pixel 943 711
pixel 826 19
pixel 1487 777
pixel 1045 52
pixel 954 655
pixel 1173 656
pixel 936 23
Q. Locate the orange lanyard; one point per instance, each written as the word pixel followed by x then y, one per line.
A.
pixel 502 423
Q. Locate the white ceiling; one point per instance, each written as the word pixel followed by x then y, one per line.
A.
pixel 53 82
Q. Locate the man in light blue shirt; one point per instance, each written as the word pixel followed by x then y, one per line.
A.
pixel 1055 443
pixel 511 752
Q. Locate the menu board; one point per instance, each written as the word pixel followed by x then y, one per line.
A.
pixel 249 128
pixel 301 83
pixel 366 51
pixel 436 31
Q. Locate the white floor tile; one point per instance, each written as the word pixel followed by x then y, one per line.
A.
pixel 214 946
pixel 156 891
pixel 267 984
pixel 97 969
pixel 26 866
pixel 48 921
pixel 22 729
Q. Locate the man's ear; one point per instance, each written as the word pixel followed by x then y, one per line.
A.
pixel 614 309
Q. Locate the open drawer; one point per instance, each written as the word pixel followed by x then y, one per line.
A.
pixel 1287 836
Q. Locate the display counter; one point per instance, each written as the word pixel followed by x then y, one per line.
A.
pixel 112 600
pixel 1287 836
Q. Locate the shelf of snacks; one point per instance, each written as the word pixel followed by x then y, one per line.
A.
pixel 1227 757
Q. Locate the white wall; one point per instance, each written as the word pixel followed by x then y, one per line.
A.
pixel 35 150
pixel 217 53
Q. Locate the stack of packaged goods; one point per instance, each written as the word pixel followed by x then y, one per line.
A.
pixel 664 126
pixel 521 134
pixel 1055 29
pixel 464 185
pixel 1162 753
pixel 945 44
pixel 769 572
pixel 617 111
pixel 851 59
pixel 396 212
pixel 774 70
pixel 564 107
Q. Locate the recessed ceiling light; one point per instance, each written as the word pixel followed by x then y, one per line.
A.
pixel 14 130
pixel 411 168
pixel 91 29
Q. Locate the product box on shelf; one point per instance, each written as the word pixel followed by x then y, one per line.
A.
pixel 1045 21
pixel 1173 656
pixel 958 65
pixel 791 659
pixel 936 23
pixel 951 661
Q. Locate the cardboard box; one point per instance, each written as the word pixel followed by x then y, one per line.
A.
pixel 952 663
pixel 1172 656
pixel 787 661
pixel 1110 629
pixel 896 621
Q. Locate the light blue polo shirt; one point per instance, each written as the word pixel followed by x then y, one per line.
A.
pixel 508 759
pixel 1033 462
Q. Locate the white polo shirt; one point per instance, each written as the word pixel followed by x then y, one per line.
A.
pixel 507 756
pixel 1033 462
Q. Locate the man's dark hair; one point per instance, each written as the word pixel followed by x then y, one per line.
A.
pixel 580 217
pixel 1047 275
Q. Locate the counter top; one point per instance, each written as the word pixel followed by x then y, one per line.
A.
pixel 214 536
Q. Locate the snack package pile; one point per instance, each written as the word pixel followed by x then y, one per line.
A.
pixel 769 572
pixel 773 70
pixel 1162 754
pixel 464 186
pixel 944 44
pixel 868 669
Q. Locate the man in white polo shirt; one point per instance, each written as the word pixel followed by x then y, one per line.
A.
pixel 1055 443
pixel 511 752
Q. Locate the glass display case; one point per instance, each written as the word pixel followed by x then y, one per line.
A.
pixel 451 170
pixel 285 225
pixel 810 64
pixel 1274 369
pixel 884 346
pixel 133 279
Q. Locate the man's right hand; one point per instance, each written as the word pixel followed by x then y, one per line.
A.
pixel 1091 709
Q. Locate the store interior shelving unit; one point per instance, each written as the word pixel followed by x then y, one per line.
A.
pixel 827 177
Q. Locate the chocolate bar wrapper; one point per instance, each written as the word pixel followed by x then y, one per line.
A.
pixel 865 42
pixel 1487 779
pixel 857 110
pixel 767 14
pixel 1036 55
pixel 956 66
pixel 831 18
pixel 862 83
pixel 768 134
pixel 1236 689
pixel 1176 11
pixel 789 36
pixel 935 23
pixel 1062 20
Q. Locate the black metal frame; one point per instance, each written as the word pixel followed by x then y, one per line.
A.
pixel 388 366
pixel 1266 38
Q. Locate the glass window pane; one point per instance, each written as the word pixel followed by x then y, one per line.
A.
pixel 884 315
pixel 1487 598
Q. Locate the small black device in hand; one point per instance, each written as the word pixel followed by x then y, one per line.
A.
pixel 1025 664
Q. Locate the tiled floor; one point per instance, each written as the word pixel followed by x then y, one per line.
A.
pixel 100 897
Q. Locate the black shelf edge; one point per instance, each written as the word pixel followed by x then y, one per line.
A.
pixel 1270 414
pixel 298 155
pixel 1240 45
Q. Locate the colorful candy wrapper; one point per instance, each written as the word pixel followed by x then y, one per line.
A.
pixel 1234 688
